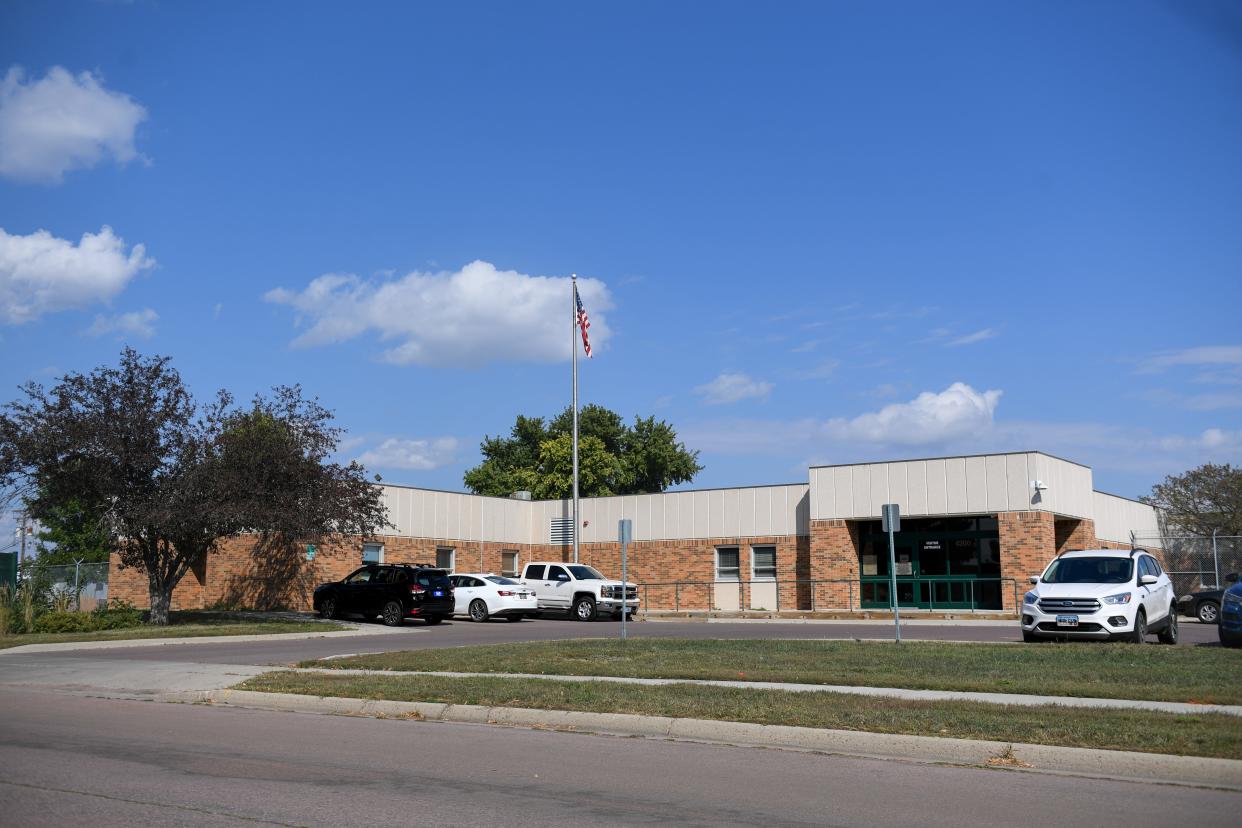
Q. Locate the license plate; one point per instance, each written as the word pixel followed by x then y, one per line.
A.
pixel 438 593
pixel 1067 620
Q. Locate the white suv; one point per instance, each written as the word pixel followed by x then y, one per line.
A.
pixel 1103 594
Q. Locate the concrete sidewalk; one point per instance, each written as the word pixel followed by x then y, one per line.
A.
pixel 1191 771
pixel 355 630
pixel 1020 699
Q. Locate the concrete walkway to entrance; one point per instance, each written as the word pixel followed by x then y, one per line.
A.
pixel 1020 699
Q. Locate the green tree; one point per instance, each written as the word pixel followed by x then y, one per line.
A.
pixel 72 531
pixel 645 457
pixel 1201 500
pixel 174 480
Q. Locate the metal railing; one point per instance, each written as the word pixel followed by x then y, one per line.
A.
pixel 807 590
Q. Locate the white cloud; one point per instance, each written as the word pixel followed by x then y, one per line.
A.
pixel 62 122
pixel 42 274
pixel 971 339
pixel 135 323
pixel 1230 355
pixel 421 455
pixel 468 317
pixel 731 388
pixel 928 418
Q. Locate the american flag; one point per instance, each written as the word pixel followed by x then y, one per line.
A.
pixel 583 322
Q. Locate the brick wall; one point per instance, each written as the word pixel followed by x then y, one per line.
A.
pixel 1028 541
pixel 245 571
pixel 833 556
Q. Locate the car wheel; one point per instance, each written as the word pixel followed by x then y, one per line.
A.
pixel 478 610
pixel 327 609
pixel 392 614
pixel 432 620
pixel 584 608
pixel 1169 634
pixel 1139 634
pixel 1208 612
pixel 513 618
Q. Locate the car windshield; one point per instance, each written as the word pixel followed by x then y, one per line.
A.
pixel 1089 571
pixel 586 573
pixel 498 579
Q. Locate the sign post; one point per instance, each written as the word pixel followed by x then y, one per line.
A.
pixel 625 534
pixel 890 514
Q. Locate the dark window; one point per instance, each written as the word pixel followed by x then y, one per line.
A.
pixel 555 573
pixel 535 571
pixel 508 563
pixel 763 559
pixel 728 563
pixel 433 578
pixel 383 576
pixel 400 576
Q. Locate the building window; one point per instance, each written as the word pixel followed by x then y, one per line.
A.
pixel 373 553
pixel 445 558
pixel 509 563
pixel 728 563
pixel 763 563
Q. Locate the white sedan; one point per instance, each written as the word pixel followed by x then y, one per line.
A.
pixel 483 596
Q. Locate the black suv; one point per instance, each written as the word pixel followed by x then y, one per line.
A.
pixel 392 591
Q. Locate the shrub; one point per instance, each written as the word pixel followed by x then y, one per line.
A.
pixel 116 614
pixel 59 621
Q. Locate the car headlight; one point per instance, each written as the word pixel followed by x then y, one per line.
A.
pixel 1030 598
pixel 1232 599
pixel 1119 598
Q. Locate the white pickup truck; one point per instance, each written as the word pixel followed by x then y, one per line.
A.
pixel 578 588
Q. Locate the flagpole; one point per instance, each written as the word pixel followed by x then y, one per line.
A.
pixel 573 342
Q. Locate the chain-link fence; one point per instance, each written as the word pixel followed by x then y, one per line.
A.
pixel 75 586
pixel 1196 561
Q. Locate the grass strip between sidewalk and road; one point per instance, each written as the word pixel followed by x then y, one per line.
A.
pixel 1205 675
pixel 198 625
pixel 1208 734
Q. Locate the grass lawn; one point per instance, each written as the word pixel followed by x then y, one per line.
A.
pixel 182 625
pixel 1195 735
pixel 1123 671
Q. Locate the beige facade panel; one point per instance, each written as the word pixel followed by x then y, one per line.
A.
pixel 714 513
pixel 952 485
pixel 423 513
pixel 1116 517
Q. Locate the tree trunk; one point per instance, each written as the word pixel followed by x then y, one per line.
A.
pixel 161 599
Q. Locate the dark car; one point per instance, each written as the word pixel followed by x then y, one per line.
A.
pixel 1205 604
pixel 1230 629
pixel 392 591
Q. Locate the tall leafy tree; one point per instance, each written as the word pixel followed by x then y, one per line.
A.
pixel 1201 500
pixel 174 481
pixel 622 459
pixel 73 531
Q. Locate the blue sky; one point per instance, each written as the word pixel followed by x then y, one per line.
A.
pixel 807 232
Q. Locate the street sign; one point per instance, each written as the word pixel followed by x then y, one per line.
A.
pixel 310 551
pixel 625 534
pixel 890 517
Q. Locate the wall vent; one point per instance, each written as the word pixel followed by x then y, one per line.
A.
pixel 561 531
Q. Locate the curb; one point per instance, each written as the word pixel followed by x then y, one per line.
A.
pixel 1190 771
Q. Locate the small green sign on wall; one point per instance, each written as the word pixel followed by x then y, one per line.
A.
pixel 310 551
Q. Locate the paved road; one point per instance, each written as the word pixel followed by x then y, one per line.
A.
pixel 459 633
pixel 74 760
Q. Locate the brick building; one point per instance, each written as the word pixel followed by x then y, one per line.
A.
pixel 973 529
